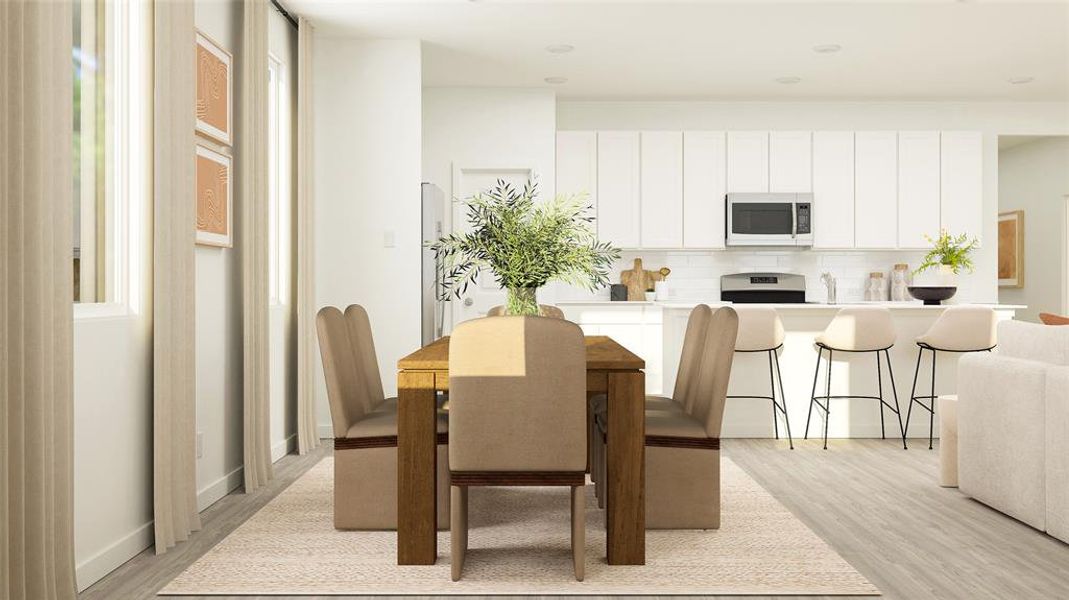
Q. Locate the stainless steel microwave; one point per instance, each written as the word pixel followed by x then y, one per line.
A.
pixel 758 219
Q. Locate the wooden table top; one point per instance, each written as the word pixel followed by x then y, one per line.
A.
pixel 602 354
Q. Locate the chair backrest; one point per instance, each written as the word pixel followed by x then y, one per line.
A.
pixel 760 328
pixel 715 370
pixel 364 345
pixel 1051 319
pixel 691 356
pixel 963 328
pixel 347 393
pixel 1032 341
pixel 545 310
pixel 860 329
pixel 517 395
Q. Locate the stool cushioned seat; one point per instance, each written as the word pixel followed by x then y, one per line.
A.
pixel 962 329
pixel 859 329
pixel 760 328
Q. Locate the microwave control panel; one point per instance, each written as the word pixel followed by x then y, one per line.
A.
pixel 804 221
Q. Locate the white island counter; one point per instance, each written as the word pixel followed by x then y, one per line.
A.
pixel 654 330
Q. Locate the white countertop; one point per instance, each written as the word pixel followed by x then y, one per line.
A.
pixel 689 304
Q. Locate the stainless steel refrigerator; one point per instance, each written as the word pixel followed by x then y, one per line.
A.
pixel 433 226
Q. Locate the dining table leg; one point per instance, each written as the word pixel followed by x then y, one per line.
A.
pixel 626 462
pixel 417 468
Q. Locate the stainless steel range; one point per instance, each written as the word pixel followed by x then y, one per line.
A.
pixel 763 288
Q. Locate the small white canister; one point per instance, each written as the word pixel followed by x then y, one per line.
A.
pixel 660 289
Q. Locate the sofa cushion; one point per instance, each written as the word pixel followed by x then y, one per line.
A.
pixel 1032 341
pixel 1057 465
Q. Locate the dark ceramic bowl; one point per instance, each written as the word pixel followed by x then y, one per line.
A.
pixel 932 295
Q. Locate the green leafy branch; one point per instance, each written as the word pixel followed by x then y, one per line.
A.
pixel 952 251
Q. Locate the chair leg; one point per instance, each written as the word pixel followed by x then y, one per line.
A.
pixel 894 390
pixel 913 392
pixel 772 387
pixel 827 402
pixel 579 532
pixel 813 394
pixel 783 400
pixel 879 382
pixel 458 528
pixel 931 404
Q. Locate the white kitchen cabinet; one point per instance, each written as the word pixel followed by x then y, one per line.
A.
pixel 661 184
pixel 875 189
pixel 918 187
pixel 704 188
pixel 577 164
pixel 833 189
pixel 618 188
pixel 747 161
pixel 962 175
pixel 790 161
pixel 637 326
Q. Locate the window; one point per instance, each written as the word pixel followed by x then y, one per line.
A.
pixel 279 184
pixel 111 153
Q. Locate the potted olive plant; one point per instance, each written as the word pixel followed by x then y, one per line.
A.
pixel 524 244
pixel 949 256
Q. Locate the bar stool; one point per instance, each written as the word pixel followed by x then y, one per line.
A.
pixel 959 329
pixel 857 329
pixel 761 330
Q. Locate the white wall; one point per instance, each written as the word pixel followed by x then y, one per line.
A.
pixel 991 118
pixel 367 188
pixel 1034 177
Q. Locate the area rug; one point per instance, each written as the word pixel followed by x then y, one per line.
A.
pixel 519 544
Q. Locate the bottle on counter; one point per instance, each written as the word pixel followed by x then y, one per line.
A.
pixel 901 279
pixel 829 283
pixel 876 288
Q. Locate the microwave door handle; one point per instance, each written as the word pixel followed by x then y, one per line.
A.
pixel 794 220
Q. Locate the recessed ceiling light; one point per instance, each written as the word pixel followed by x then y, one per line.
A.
pixel 827 48
pixel 788 80
pixel 559 48
pixel 1020 80
pixel 556 80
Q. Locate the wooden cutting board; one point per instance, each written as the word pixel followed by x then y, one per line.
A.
pixel 638 280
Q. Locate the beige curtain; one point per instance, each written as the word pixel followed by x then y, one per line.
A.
pixel 253 194
pixel 307 432
pixel 173 281
pixel 36 295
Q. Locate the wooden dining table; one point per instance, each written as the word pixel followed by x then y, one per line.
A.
pixel 611 369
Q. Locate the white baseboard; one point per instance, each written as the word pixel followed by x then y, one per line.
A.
pixel 326 431
pixel 94 568
pixel 283 448
pixel 219 488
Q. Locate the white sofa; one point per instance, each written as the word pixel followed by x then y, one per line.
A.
pixel 1013 425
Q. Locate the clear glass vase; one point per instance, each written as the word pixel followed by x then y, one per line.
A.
pixel 522 301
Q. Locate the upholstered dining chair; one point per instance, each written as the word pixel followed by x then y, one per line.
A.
pixel 365 426
pixel 517 416
pixel 682 396
pixel 683 446
pixel 545 310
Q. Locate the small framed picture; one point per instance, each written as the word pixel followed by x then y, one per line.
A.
pixel 214 90
pixel 1011 249
pixel 215 198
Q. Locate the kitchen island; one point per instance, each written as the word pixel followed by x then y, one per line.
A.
pixel 654 330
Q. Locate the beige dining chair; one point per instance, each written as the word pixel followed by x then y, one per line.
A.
pixel 682 395
pixel 365 426
pixel 517 415
pixel 683 446
pixel 545 310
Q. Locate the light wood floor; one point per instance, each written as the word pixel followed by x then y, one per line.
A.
pixel 876 504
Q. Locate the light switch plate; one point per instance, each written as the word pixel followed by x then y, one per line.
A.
pixel 200 444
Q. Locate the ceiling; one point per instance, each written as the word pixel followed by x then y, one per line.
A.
pixel 922 50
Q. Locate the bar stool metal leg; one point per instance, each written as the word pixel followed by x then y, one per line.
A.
pixel 894 390
pixel 783 401
pixel 772 389
pixel 931 403
pixel 813 394
pixel 827 401
pixel 879 382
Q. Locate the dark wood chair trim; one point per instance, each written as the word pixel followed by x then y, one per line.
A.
pixel 665 441
pixel 381 441
pixel 517 478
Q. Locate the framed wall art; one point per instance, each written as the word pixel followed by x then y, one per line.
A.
pixel 215 198
pixel 214 90
pixel 1011 249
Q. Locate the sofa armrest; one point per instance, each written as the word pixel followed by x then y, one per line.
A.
pixel 1057 438
pixel 1002 434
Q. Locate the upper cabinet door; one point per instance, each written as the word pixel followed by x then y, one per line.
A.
pixel 790 161
pixel 618 188
pixel 661 183
pixel 747 161
pixel 833 189
pixel 704 188
pixel 918 187
pixel 962 170
pixel 875 189
pixel 577 164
